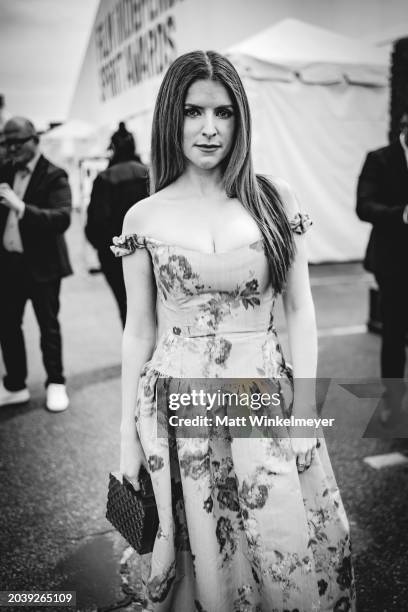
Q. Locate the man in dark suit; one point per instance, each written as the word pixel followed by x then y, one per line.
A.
pixel 35 211
pixel 382 199
pixel 114 191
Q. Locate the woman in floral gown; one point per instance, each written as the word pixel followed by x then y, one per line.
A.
pixel 251 524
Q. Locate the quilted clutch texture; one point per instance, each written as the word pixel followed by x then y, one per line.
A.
pixel 133 513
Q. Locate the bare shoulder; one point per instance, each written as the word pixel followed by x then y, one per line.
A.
pixel 287 195
pixel 299 220
pixel 140 217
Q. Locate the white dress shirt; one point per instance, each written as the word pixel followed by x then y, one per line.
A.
pixel 11 237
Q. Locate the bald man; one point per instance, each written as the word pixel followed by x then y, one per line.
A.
pixel 35 211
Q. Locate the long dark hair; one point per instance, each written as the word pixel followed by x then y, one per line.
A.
pixel 256 193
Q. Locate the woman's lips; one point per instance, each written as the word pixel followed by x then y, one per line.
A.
pixel 208 148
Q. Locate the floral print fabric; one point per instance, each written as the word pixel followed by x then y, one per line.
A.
pixel 240 529
pixel 300 223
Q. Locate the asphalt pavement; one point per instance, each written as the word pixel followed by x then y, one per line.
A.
pixel 54 467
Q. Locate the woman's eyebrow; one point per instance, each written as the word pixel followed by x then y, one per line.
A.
pixel 201 107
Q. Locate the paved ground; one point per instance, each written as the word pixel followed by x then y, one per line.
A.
pixel 53 468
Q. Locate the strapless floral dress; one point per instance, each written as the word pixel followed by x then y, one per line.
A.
pixel 240 529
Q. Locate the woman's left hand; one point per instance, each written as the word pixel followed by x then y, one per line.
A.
pixel 304 449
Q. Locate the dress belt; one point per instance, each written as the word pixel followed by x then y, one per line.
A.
pixel 190 331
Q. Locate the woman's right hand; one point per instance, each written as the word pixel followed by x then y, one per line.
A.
pixel 132 458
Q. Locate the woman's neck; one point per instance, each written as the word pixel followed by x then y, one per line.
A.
pixel 202 183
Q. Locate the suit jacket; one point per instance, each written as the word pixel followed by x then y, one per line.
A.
pixel 382 195
pixel 114 191
pixel 47 215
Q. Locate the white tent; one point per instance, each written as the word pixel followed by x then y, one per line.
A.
pixel 319 103
pixel 297 44
pixel 387 36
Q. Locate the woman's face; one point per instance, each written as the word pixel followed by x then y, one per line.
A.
pixel 209 124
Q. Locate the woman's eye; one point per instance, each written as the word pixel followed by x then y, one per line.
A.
pixel 191 112
pixel 225 113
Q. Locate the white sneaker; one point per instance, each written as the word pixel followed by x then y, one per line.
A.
pixel 57 398
pixel 13 397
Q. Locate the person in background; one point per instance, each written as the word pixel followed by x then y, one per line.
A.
pixel 382 200
pixel 114 191
pixel 35 211
pixel 121 134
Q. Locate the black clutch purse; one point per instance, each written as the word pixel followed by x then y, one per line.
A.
pixel 133 513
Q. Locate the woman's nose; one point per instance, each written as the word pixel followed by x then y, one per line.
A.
pixel 209 129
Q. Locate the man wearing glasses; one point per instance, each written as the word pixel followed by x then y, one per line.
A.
pixel 35 211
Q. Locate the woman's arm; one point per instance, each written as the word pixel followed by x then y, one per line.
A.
pixel 302 333
pixel 301 325
pixel 139 338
